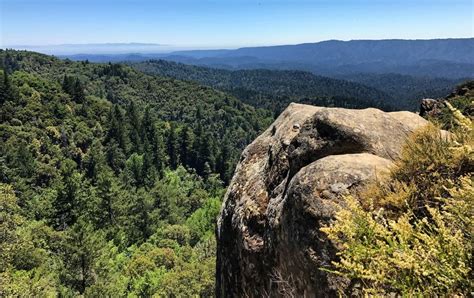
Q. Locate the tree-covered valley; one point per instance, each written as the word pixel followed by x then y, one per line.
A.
pixel 275 89
pixel 277 148
pixel 111 180
pixel 112 176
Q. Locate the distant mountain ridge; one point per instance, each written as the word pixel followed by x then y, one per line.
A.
pixel 440 58
pixel 354 51
pixel 449 58
pixel 403 70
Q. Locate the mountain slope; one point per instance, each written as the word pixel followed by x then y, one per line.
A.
pixel 407 89
pixel 274 89
pixel 110 179
pixel 171 100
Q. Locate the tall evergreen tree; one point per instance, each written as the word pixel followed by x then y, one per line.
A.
pixel 172 146
pixel 65 202
pixel 94 160
pixel 68 84
pixel 6 91
pixel 82 250
pixel 78 92
pixel 134 128
pixel 148 130
pixel 108 193
pixel 224 161
pixel 134 170
pixel 116 129
pixel 185 140
pixel 150 171
pixel 160 159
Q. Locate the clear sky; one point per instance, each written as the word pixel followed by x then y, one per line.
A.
pixel 229 23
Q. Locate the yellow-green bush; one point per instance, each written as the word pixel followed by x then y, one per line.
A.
pixel 412 233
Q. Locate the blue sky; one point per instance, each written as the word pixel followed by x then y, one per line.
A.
pixel 229 23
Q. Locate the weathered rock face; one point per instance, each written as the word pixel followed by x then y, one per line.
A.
pixel 288 184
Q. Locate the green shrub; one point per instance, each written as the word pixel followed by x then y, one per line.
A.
pixel 412 233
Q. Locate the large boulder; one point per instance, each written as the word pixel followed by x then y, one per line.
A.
pixel 288 184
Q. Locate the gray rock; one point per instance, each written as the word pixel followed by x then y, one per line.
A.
pixel 430 107
pixel 289 183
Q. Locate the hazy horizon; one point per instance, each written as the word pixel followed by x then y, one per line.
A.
pixel 187 24
pixel 156 48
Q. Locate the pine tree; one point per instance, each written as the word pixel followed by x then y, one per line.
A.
pixel 65 202
pixel 6 91
pixel 115 156
pixel 204 150
pixel 134 174
pixel 153 143
pixel 68 85
pixel 185 140
pixel 116 129
pixel 108 193
pixel 173 147
pixel 148 126
pixel 150 172
pixel 160 159
pixel 78 92
pixel 82 250
pixel 196 162
pixel 134 128
pixel 94 160
pixel 224 161
pixel 135 217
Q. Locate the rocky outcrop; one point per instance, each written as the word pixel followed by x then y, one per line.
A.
pixel 287 185
pixel 433 108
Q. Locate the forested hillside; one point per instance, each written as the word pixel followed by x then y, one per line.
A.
pixel 408 90
pixel 275 89
pixel 110 179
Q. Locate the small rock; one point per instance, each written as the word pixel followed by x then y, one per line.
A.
pixel 326 194
pixel 430 107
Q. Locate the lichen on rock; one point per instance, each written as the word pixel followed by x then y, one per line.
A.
pixel 288 184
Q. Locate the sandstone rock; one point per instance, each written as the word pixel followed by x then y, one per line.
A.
pixel 288 184
pixel 311 200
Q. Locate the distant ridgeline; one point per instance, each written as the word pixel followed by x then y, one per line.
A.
pixel 449 58
pixel 403 70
